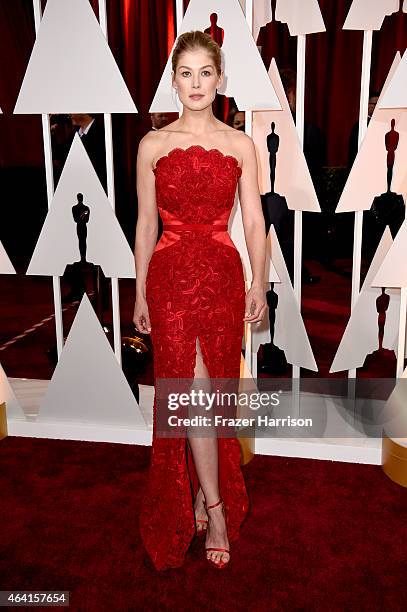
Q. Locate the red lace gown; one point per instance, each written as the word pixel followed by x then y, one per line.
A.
pixel 194 288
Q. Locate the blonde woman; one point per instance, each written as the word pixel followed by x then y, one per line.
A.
pixel 190 296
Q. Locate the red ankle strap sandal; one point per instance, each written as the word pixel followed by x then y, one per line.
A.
pixel 221 564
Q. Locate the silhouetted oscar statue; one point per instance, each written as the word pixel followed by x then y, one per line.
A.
pixel 391 140
pixel 388 208
pixel 81 214
pixel 382 304
pixel 220 104
pixel 273 141
pixel 379 357
pixel 275 209
pixel 75 272
pixel 273 361
pixel 215 31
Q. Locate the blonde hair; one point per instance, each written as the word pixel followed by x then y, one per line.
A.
pixel 189 41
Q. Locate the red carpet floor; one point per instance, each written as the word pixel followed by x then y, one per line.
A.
pixel 319 536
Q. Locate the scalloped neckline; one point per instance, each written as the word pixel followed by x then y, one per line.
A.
pixel 224 155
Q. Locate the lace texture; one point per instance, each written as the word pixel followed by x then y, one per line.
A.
pixel 196 185
pixel 194 289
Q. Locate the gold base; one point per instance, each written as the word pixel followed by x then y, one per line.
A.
pixel 3 421
pixel 394 460
pixel 246 439
pixel 246 450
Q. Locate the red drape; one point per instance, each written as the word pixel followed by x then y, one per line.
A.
pixel 141 35
pixel 20 135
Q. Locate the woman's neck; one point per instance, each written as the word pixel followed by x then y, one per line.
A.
pixel 198 122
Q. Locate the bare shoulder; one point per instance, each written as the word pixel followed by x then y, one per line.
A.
pixel 244 143
pixel 156 141
pixel 236 137
pixel 150 140
pixel 150 144
pixel 236 140
pixel 243 146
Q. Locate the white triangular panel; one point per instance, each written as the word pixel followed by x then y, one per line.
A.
pixel 261 15
pixel 369 14
pixel 368 176
pixel 255 90
pixel 361 334
pixel 290 334
pixel 88 385
pixel 13 406
pixel 395 95
pixel 6 267
pixel 58 244
pixel 71 68
pixel 293 179
pixel 236 231
pixel 301 16
pixel 393 270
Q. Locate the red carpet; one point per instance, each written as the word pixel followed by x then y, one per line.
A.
pixel 319 535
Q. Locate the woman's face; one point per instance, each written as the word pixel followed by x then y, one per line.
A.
pixel 239 120
pixel 196 79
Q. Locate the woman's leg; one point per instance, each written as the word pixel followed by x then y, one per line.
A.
pixel 205 455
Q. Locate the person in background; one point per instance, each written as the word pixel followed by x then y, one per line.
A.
pixel 236 119
pixel 61 137
pixel 159 120
pixel 91 131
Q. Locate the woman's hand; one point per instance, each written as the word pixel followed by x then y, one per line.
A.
pixel 256 304
pixel 141 318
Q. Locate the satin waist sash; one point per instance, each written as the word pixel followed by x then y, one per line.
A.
pixel 195 227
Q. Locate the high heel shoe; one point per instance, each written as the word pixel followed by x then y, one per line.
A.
pixel 221 564
pixel 200 532
pixel 204 522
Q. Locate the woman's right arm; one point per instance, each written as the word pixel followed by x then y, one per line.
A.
pixel 146 228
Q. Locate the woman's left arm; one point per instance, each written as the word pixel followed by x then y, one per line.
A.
pixel 254 231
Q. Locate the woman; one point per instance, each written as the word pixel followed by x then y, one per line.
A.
pixel 190 295
pixel 236 119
